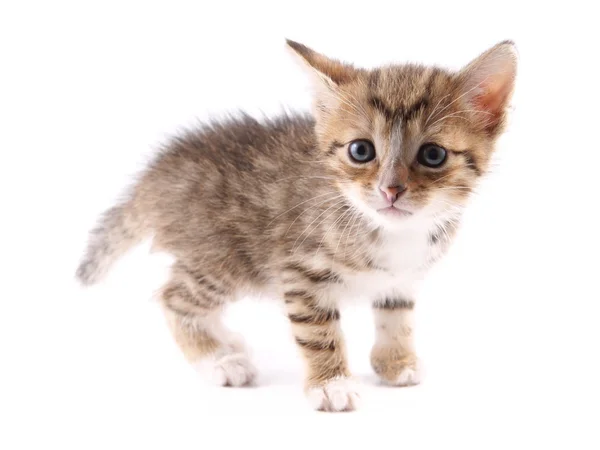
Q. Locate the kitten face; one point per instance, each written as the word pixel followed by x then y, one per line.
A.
pixel 429 157
pixel 409 142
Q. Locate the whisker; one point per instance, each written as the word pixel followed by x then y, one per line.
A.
pixel 462 95
pixel 309 208
pixel 354 109
pixel 301 203
pixel 434 109
pixel 355 218
pixel 342 234
pixel 309 225
pixel 351 232
pixel 311 160
pixel 329 229
pixel 304 178
pixel 442 178
pixel 447 116
pixel 452 188
pixel 359 105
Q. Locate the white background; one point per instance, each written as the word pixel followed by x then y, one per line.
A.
pixel 508 324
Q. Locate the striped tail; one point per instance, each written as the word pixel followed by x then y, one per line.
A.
pixel 117 231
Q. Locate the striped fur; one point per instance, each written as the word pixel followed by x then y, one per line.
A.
pixel 316 329
pixel 279 207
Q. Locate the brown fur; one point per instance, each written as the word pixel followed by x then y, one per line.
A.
pixel 264 206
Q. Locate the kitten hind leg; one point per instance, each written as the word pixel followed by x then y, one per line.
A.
pixel 195 319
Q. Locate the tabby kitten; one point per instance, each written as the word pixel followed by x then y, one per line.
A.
pixel 355 201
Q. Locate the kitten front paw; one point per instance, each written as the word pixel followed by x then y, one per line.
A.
pixel 396 367
pixel 338 394
pixel 233 369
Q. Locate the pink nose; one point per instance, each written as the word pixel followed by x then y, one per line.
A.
pixel 392 193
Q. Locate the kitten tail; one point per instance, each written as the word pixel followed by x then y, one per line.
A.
pixel 117 230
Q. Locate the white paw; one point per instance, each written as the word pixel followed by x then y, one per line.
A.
pixel 409 376
pixel 234 369
pixel 340 394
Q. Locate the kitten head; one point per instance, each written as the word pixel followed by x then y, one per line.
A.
pixel 408 142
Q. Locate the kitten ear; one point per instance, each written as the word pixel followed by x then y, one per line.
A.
pixel 327 72
pixel 488 82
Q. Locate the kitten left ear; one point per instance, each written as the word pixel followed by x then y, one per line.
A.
pixel 488 82
pixel 327 72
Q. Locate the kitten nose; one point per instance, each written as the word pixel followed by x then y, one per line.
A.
pixel 392 193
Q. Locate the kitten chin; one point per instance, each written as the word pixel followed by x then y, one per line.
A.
pixel 355 201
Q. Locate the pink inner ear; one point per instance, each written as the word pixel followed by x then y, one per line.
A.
pixel 489 80
pixel 493 100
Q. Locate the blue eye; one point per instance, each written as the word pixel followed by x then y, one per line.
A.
pixel 361 151
pixel 431 155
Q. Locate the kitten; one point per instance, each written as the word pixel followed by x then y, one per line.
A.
pixel 355 201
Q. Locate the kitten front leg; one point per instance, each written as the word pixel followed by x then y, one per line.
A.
pixel 393 356
pixel 317 332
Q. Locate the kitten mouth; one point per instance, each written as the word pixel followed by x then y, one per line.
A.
pixel 395 212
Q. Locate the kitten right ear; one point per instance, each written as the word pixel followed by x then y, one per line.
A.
pixel 489 80
pixel 326 72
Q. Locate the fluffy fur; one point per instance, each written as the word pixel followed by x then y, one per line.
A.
pixel 280 207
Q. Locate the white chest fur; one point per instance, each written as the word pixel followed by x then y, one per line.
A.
pixel 402 256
